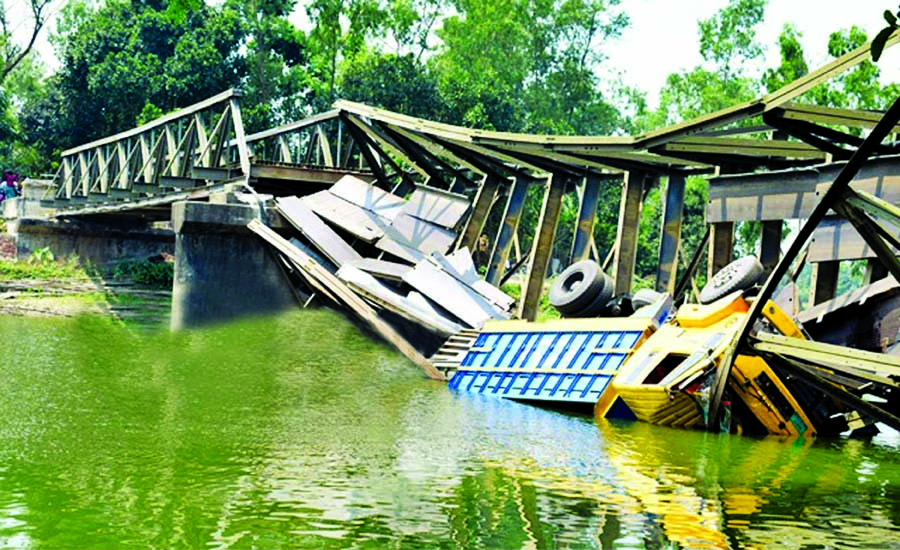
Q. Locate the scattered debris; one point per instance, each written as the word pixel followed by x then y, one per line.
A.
pixel 418 285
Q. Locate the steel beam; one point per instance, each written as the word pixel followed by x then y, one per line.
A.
pixel 670 236
pixel 875 271
pixel 770 247
pixel 823 286
pixel 587 215
pixel 484 199
pixel 511 217
pixel 721 247
pixel 542 249
pixel 628 230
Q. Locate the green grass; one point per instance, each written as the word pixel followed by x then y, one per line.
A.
pixel 42 265
pixel 546 312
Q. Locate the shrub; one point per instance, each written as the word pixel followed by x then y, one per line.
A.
pixel 145 272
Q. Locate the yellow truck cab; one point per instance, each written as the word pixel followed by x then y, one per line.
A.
pixel 667 379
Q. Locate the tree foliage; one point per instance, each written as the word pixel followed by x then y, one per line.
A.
pixel 13 52
pixel 528 66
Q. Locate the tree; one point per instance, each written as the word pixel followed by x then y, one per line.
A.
pixel 528 66
pixel 858 88
pixel 12 52
pixel 123 57
pixel 792 66
pixel 24 86
pixel 340 31
pixel 728 45
pixel 399 83
pixel 275 63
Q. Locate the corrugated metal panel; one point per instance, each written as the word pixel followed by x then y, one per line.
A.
pixel 561 366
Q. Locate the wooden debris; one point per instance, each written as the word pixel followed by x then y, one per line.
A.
pixel 322 280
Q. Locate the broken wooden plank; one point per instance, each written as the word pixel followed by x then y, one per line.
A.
pixel 364 195
pixel 382 269
pixel 359 222
pixel 452 295
pixel 437 206
pixel 385 297
pixel 313 254
pixel 313 228
pixel 324 279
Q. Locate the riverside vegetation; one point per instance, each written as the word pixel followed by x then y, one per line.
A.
pixel 135 292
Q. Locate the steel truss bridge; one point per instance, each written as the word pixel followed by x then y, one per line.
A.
pixel 202 150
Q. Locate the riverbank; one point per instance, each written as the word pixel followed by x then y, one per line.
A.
pixel 42 286
pixel 124 301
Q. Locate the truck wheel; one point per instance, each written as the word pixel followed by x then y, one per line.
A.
pixel 738 275
pixel 576 286
pixel 595 307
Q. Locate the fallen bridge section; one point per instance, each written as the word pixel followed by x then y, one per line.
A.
pixel 400 278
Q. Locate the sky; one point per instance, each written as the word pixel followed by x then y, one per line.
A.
pixel 663 37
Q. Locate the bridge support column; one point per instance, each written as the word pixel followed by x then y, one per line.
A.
pixel 222 270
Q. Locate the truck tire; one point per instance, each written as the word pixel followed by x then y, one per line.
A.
pixel 595 307
pixel 738 275
pixel 576 287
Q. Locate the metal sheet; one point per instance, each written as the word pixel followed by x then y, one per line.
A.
pixel 437 206
pixel 382 269
pixel 358 221
pixel 460 266
pixel 385 297
pixel 452 295
pixel 362 194
pixel 789 195
pixel 396 247
pixel 836 239
pixel 422 235
pixel 551 365
pixel 323 237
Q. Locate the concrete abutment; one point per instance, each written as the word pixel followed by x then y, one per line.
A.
pixel 222 271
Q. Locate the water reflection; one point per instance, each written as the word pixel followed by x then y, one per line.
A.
pixel 298 432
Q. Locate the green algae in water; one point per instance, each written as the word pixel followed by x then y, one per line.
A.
pixel 297 431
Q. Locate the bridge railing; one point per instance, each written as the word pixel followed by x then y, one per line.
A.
pixel 198 146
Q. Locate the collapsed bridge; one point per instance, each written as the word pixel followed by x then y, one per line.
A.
pixel 194 181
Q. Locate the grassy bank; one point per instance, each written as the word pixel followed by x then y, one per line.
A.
pixel 136 293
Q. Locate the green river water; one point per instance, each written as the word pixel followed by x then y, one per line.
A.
pixel 299 432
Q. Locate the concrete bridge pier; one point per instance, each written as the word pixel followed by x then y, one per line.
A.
pixel 222 270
